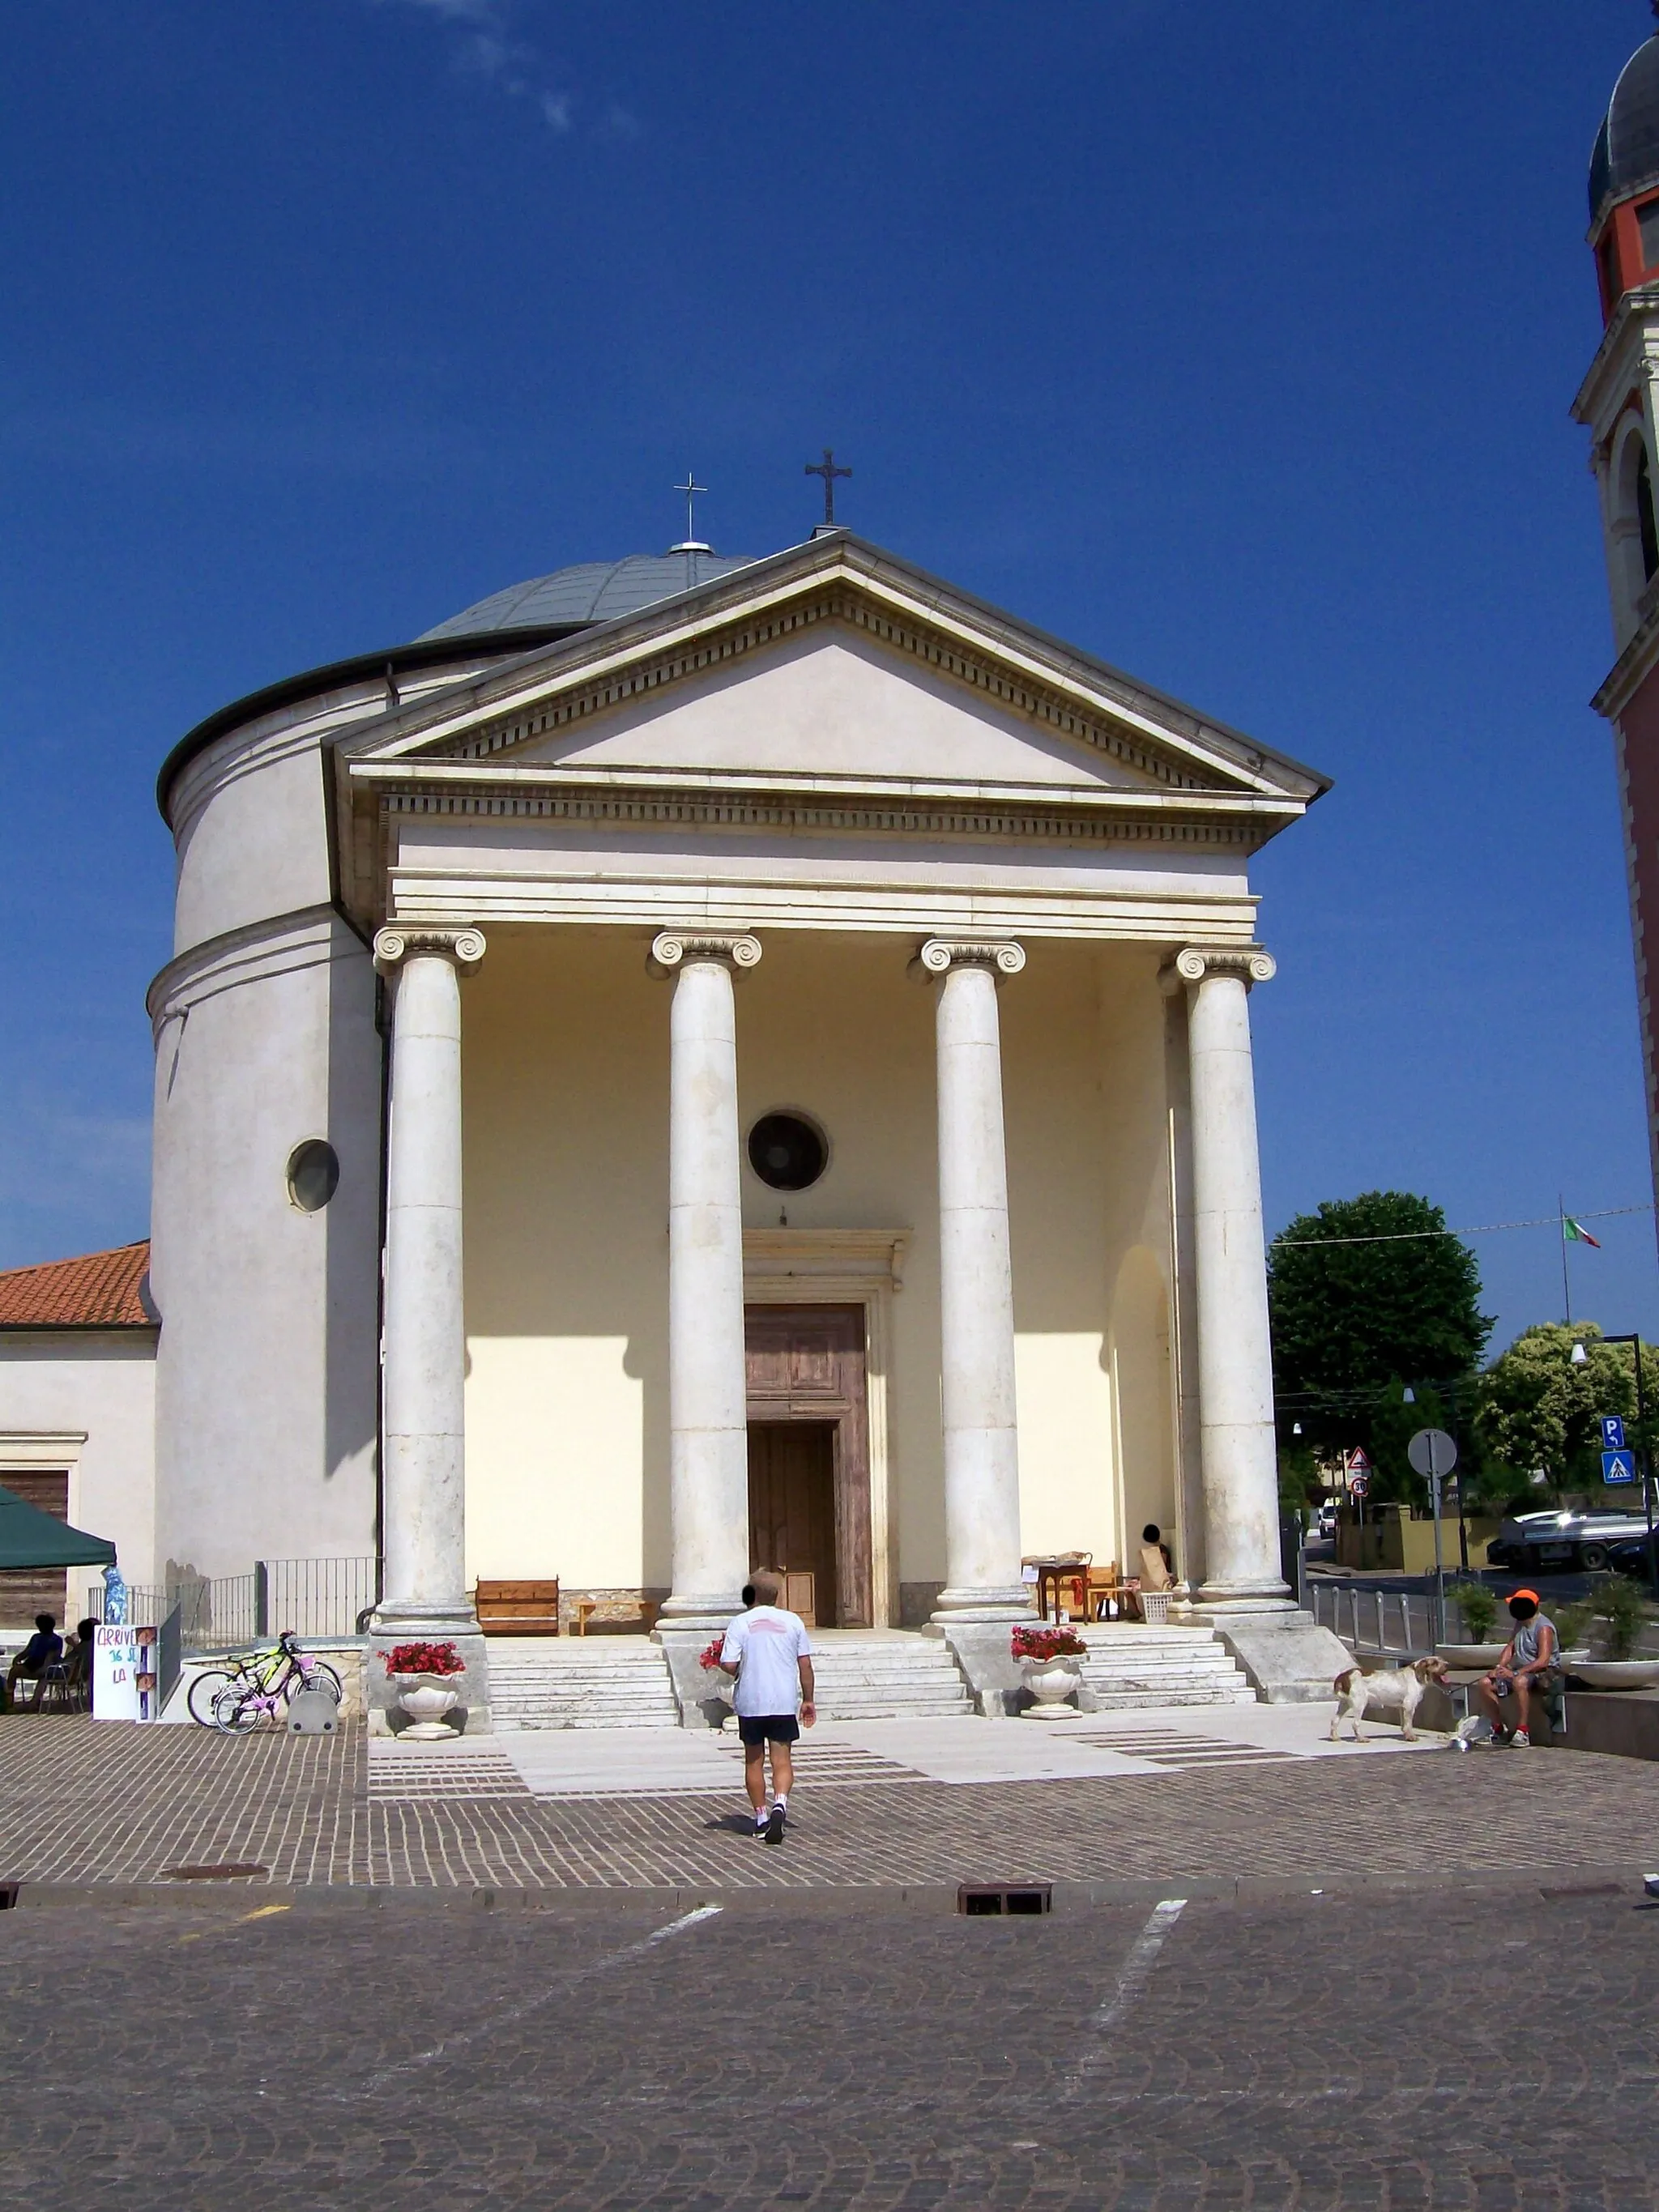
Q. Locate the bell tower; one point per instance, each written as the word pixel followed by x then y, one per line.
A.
pixel 1619 403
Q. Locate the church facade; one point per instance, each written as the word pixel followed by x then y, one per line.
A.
pixel 699 1063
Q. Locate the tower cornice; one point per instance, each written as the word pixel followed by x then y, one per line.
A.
pixel 1636 308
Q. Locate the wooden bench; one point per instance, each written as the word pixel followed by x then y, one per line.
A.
pixel 517 1609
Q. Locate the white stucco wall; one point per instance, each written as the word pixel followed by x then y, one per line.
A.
pixel 566 1071
pixel 98 1383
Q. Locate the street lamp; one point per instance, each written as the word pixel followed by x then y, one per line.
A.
pixel 1635 1342
pixel 1581 1357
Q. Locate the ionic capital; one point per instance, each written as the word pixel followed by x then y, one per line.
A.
pixel 398 940
pixel 671 946
pixel 1194 962
pixel 941 954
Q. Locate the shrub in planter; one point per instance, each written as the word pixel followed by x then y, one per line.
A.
pixel 1621 1604
pixel 1477 1607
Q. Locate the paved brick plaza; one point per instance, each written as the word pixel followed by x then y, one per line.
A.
pixel 1495 2052
pixel 89 1802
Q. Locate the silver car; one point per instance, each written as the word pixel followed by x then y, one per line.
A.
pixel 1562 1540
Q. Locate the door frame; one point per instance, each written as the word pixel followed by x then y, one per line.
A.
pixel 844 1267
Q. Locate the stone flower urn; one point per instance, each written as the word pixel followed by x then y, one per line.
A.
pixel 1051 1683
pixel 425 1699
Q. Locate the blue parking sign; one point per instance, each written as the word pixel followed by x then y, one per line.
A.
pixel 1613 1432
pixel 1619 1467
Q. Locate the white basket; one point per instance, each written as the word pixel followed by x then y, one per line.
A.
pixel 1155 1608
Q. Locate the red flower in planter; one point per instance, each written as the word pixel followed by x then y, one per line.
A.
pixel 1047 1643
pixel 424 1659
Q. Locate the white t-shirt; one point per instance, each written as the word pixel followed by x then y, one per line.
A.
pixel 770 1643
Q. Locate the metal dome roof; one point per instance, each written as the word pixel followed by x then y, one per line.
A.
pixel 1626 151
pixel 592 591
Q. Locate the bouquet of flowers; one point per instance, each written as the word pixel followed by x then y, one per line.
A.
pixel 424 1659
pixel 1047 1643
pixel 709 1656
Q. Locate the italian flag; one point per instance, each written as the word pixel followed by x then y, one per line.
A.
pixel 1575 1233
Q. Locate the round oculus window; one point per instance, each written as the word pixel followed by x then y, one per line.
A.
pixel 787 1152
pixel 314 1175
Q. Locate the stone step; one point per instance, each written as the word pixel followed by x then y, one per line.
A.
pixel 576 1684
pixel 1108 1700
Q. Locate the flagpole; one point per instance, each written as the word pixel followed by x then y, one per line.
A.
pixel 1566 1287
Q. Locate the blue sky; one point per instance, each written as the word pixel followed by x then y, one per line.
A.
pixel 1234 343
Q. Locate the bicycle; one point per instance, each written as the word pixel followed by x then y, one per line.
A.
pixel 236 1699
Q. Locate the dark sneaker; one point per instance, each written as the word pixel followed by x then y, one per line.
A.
pixel 762 1829
pixel 773 1829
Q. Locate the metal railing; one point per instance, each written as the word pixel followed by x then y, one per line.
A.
pixel 318 1599
pixel 1382 1620
pixel 314 1597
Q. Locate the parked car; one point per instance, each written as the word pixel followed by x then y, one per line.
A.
pixel 1325 1526
pixel 1630 1556
pixel 1534 1541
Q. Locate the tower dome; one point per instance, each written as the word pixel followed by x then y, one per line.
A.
pixel 1626 152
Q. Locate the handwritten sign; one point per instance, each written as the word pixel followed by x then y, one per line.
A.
pixel 125 1685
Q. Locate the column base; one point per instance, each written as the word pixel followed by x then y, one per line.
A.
pixel 691 1612
pixel 1013 1601
pixel 410 1623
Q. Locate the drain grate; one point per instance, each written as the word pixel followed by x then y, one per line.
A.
pixel 232 1871
pixel 979 1899
pixel 10 1892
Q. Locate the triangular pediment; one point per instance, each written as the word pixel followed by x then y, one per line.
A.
pixel 831 701
pixel 831 661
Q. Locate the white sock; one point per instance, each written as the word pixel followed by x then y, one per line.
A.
pixel 781 1801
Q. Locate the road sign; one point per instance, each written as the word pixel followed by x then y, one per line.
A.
pixel 1358 1484
pixel 1613 1432
pixel 1433 1452
pixel 1357 1463
pixel 1619 1467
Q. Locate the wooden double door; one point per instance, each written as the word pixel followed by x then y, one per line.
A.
pixel 809 1458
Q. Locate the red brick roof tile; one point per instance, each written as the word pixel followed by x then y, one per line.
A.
pixel 99 1290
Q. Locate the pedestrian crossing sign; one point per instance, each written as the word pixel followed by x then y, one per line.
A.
pixel 1618 1467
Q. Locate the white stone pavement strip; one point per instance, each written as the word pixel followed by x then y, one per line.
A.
pixel 470 1767
pixel 1132 1978
pixel 685 1762
pixel 559 1986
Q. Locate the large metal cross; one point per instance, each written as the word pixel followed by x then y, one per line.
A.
pixel 826 468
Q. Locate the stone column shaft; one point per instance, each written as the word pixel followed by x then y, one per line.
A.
pixel 977 1294
pixel 708 1379
pixel 423 1475
pixel 1238 1451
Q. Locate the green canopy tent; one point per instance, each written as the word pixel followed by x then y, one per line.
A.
pixel 30 1538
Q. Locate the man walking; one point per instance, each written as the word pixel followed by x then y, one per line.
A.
pixel 768 1651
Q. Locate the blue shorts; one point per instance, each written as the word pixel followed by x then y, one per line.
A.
pixel 768 1728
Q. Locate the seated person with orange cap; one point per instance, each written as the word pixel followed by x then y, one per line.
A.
pixel 1531 1660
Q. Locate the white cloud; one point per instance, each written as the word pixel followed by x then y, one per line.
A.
pixel 489 49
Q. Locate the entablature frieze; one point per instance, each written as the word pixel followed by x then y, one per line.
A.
pixel 744 905
pixel 1074 816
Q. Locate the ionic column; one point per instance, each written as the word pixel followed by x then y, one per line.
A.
pixel 1238 1456
pixel 707 1393
pixel 425 1360
pixel 976 1292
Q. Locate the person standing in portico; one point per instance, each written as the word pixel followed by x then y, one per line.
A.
pixel 766 1649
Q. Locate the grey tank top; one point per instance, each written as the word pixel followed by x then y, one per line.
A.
pixel 1529 1641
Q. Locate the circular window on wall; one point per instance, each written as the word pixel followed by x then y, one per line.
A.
pixel 314 1175
pixel 787 1152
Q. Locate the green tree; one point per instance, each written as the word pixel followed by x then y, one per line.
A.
pixel 1538 1410
pixel 1370 1295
